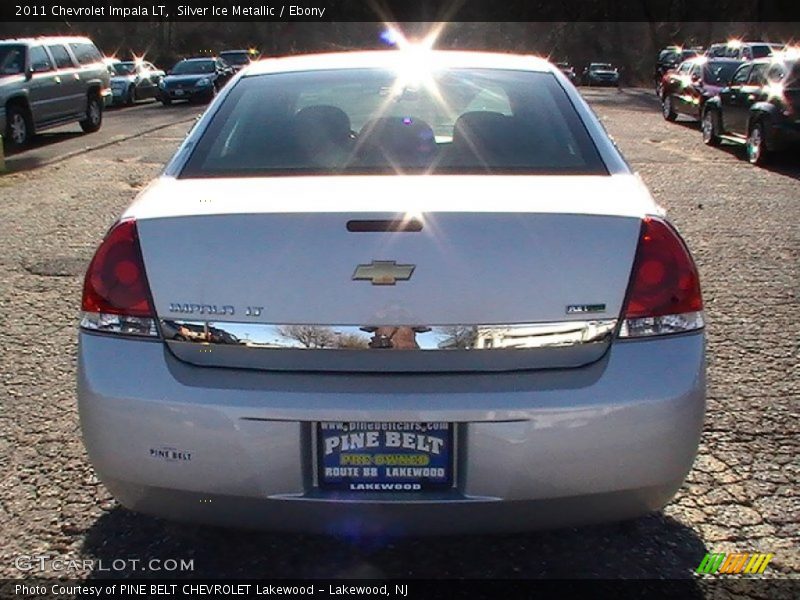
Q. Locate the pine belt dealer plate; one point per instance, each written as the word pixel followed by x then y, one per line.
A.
pixel 385 457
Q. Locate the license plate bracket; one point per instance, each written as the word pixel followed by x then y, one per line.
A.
pixel 385 457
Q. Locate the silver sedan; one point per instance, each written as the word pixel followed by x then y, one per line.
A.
pixel 405 291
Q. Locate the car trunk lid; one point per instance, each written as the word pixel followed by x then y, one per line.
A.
pixel 277 280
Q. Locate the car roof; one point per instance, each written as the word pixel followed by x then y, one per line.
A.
pixel 47 39
pixel 235 51
pixel 399 58
pixel 712 59
pixel 197 58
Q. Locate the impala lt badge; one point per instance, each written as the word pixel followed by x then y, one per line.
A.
pixel 383 272
pixel 585 308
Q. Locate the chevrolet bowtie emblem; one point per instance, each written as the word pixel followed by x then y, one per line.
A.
pixel 383 272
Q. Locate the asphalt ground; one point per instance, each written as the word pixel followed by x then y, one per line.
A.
pixel 742 494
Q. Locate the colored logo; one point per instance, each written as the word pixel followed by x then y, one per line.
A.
pixel 741 562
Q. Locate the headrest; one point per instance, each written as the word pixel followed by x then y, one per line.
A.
pixel 406 141
pixel 331 121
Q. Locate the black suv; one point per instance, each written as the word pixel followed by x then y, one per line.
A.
pixel 759 108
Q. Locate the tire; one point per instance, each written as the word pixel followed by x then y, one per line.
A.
pixel 166 101
pixel 667 110
pixel 19 127
pixel 94 115
pixel 130 97
pixel 709 125
pixel 757 152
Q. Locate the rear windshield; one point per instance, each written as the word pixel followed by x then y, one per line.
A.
pixel 719 73
pixel 235 58
pixel 124 68
pixel 12 59
pixel 377 122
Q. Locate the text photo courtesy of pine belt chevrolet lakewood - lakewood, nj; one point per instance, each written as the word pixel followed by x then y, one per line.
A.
pixel 418 302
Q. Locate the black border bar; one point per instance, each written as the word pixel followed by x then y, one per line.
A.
pixel 67 11
pixel 408 589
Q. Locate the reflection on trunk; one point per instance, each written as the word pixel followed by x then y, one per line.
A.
pixel 394 337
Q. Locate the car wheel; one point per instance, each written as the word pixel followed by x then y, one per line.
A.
pixel 166 101
pixel 757 152
pixel 659 88
pixel 19 128
pixel 667 110
pixel 130 97
pixel 710 128
pixel 94 115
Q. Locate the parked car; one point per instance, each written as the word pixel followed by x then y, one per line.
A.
pixel 135 80
pixel 743 50
pixel 758 109
pixel 686 89
pixel 194 79
pixel 568 70
pixel 239 59
pixel 600 74
pixel 405 358
pixel 110 61
pixel 50 81
pixel 668 59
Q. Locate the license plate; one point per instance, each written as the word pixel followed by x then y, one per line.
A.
pixel 385 457
pixel 179 92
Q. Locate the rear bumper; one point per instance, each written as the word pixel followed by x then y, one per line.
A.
pixel 609 441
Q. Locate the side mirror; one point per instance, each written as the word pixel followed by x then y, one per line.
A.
pixel 29 73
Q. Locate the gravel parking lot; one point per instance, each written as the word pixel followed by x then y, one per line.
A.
pixel 742 495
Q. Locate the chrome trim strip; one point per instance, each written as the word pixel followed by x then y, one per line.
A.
pixel 254 336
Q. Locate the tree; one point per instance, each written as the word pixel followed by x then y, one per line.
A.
pixel 310 336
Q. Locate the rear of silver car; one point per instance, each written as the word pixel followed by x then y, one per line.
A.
pixel 359 367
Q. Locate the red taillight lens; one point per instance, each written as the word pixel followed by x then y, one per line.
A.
pixel 116 283
pixel 664 291
pixel 116 295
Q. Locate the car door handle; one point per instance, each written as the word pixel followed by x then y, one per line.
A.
pixel 57 79
pixel 76 76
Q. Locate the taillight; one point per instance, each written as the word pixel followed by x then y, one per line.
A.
pixel 664 290
pixel 116 295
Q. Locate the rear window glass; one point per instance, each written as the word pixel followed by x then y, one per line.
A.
pixel 719 73
pixel 86 53
pixel 374 121
pixel 235 58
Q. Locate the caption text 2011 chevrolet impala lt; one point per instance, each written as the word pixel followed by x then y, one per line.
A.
pixel 398 291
